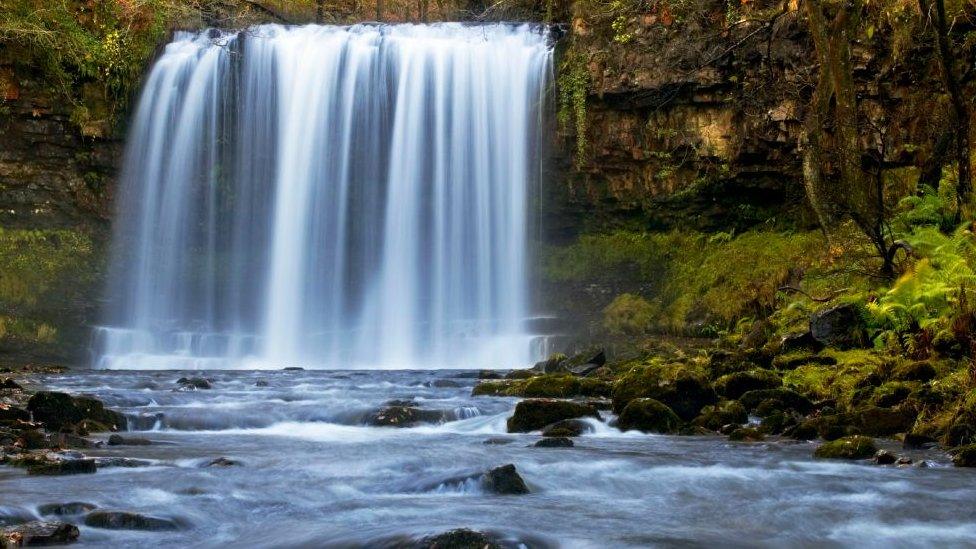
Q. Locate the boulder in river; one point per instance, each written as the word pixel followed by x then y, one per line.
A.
pixel 566 428
pixel 535 414
pixel 648 415
pixel 119 440
pixel 884 457
pixel 56 467
pixel 223 462
pixel 554 442
pixel 746 434
pixel 7 383
pixel 12 413
pixel 403 416
pixel 461 538
pixel 193 383
pixel 504 480
pixel 56 410
pixel 65 509
pixel 124 520
pixel 853 447
pixel 38 533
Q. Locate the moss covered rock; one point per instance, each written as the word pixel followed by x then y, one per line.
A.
pixel 788 399
pixel 737 384
pixel 535 414
pixel 964 456
pixel 746 434
pixel 877 421
pixel 648 415
pixel 729 412
pixel 853 447
pixel 684 391
pixel 914 371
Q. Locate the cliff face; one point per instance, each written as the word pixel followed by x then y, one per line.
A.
pixel 695 112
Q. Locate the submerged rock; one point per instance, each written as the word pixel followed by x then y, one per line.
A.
pixel 105 462
pixel 403 416
pixel 193 383
pixel 38 533
pixel 223 462
pixel 504 480
pixel 566 428
pixel 119 440
pixel 461 538
pixel 84 466
pixel 853 447
pixel 498 440
pixel 66 509
pixel 554 442
pixel 535 414
pixel 746 434
pixel 648 415
pixel 124 520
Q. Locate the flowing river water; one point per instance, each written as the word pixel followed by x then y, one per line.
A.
pixel 313 474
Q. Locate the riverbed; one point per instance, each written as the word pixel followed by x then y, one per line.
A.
pixel 312 474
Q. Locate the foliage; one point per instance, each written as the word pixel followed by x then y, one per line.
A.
pixel 628 314
pixel 574 85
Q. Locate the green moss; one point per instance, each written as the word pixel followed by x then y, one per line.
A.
pixel 854 447
pixel 534 414
pixel 648 415
pixel 628 314
pixel 737 384
pixel 728 412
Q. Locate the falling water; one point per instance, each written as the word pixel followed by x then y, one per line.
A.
pixel 332 197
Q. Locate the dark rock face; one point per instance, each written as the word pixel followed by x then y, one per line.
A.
pixel 648 415
pixel 504 480
pixel 38 533
pixel 403 416
pixel 840 326
pixel 12 413
pixel 124 520
pixel 537 413
pixel 914 441
pixel 554 442
pixel 54 409
pixel 964 456
pixel 65 509
pixel 7 383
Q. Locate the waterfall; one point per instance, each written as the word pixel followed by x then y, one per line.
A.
pixel 330 197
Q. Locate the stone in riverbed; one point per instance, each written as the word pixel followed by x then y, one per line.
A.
pixel 12 413
pixel 554 442
pixel 223 462
pixel 105 462
pixel 7 383
pixel 461 538
pixel 119 440
pixel 535 414
pixel 124 520
pixel 54 409
pixel 648 415
pixel 193 383
pixel 66 509
pixel 38 533
pixel 853 447
pixel 84 466
pixel 403 416
pixel 566 428
pixel 746 434
pixel 884 457
pixel 504 480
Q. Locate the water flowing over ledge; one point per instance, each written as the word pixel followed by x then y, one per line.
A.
pixel 340 197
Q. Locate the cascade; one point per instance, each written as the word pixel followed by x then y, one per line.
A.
pixel 330 197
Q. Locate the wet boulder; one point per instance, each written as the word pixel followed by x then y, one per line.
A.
pixel 504 480
pixel 193 383
pixel 61 466
pixel 788 400
pixel 223 462
pixel 54 409
pixel 65 509
pixel 461 538
pixel 124 520
pixel 841 326
pixel 648 415
pixel 38 533
pixel 684 391
pixel 13 414
pixel 554 442
pixel 733 386
pixel 884 457
pixel 877 421
pixel 916 441
pixel 729 412
pixel 566 428
pixel 95 412
pixel 853 447
pixel 746 434
pixel 119 440
pixel 124 462
pixel 403 416
pixel 9 384
pixel 964 456
pixel 535 414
